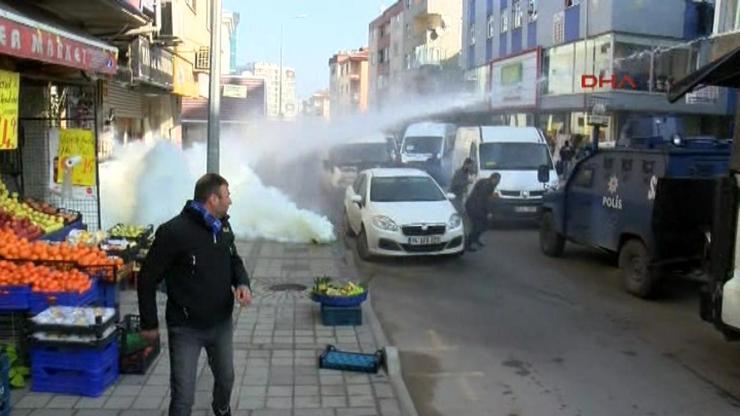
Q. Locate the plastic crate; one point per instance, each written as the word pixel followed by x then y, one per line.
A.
pixel 73 358
pixel 333 359
pixel 341 315
pixel 14 298
pixel 14 330
pixel 61 234
pixel 135 359
pixel 142 240
pixel 4 385
pixel 48 379
pixel 40 301
pixel 107 294
pixel 42 322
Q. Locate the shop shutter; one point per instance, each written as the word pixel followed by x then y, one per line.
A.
pixel 126 102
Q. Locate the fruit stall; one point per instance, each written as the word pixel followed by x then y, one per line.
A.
pixel 340 304
pixel 59 284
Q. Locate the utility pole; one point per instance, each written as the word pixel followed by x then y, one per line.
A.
pixel 214 90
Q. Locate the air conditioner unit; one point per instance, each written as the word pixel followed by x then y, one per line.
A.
pixel 203 58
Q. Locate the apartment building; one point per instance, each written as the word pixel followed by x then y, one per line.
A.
pixel 348 82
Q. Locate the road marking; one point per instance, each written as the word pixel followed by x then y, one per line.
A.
pixel 436 343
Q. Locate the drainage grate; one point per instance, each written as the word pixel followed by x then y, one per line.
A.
pixel 288 287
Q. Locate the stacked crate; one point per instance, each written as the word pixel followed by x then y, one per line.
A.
pixel 74 350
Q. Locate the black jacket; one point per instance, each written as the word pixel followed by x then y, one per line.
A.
pixel 478 204
pixel 460 183
pixel 199 270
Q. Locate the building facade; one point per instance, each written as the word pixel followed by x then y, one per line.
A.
pixel 285 107
pixel 415 50
pixel 546 62
pixel 318 105
pixel 348 82
pixel 229 24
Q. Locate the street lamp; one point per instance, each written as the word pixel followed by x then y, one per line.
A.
pixel 280 75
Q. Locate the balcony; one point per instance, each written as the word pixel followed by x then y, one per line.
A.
pixel 425 55
pixel 100 17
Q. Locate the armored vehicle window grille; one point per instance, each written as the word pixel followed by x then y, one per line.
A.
pixel 584 178
pixel 608 163
pixel 648 166
pixel 626 165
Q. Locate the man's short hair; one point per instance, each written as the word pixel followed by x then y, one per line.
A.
pixel 208 184
pixel 495 175
pixel 468 161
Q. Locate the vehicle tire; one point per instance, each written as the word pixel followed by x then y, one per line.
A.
pixel 634 261
pixel 347 228
pixel 552 243
pixel 362 246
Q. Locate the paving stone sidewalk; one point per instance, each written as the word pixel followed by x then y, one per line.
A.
pixel 277 341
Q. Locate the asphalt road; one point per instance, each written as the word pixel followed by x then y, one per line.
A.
pixel 508 331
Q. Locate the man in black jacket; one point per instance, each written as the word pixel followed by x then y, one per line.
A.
pixel 478 207
pixel 196 256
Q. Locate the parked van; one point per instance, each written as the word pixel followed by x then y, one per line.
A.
pixel 428 146
pixel 517 153
pixel 342 162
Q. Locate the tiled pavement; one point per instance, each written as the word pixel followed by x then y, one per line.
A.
pixel 277 341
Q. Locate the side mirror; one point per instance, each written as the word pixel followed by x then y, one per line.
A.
pixel 450 196
pixel 543 174
pixel 357 199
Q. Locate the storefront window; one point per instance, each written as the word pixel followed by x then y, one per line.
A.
pixel 559 69
pixel 631 66
pixel 672 65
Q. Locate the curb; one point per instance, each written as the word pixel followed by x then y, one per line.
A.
pixel 392 357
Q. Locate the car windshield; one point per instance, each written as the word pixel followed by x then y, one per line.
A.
pixel 514 156
pixel 359 153
pixel 405 189
pixel 422 145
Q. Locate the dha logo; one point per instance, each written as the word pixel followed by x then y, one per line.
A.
pixel 612 201
pixel 592 81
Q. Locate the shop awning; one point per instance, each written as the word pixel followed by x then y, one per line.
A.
pixel 722 72
pixel 33 37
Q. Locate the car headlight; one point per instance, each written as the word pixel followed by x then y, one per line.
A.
pixel 384 223
pixel 455 221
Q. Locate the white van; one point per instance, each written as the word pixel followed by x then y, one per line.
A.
pixel 342 162
pixel 516 153
pixel 428 146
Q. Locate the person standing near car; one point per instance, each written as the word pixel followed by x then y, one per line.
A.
pixel 461 181
pixel 195 253
pixel 478 208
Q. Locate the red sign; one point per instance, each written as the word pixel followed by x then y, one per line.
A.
pixel 25 41
pixel 591 81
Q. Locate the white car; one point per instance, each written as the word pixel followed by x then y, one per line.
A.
pixel 401 212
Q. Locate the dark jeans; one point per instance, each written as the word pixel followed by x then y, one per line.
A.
pixel 185 345
pixel 477 227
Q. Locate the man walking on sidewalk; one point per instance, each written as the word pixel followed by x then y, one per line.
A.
pixel 196 255
pixel 478 208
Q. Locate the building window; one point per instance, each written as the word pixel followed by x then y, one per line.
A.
pixel 491 26
pixel 532 10
pixel 571 3
pixel 472 34
pixel 504 21
pixel 517 15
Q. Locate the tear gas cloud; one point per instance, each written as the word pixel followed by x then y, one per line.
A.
pixel 149 183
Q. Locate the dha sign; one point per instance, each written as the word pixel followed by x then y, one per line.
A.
pixel 591 81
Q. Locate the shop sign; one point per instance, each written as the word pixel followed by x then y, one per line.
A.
pixel 183 82
pixel 514 81
pixel 590 81
pixel 25 38
pixel 77 153
pixel 705 95
pixel 9 89
pixel 235 91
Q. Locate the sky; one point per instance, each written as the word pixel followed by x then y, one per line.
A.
pixel 326 27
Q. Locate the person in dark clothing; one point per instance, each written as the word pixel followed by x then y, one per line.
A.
pixel 478 207
pixel 461 181
pixel 196 255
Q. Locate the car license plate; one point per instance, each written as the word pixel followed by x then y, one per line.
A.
pixel 527 210
pixel 422 241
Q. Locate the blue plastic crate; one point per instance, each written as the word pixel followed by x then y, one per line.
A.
pixel 61 234
pixel 75 382
pixel 351 361
pixel 73 358
pixel 14 298
pixel 4 385
pixel 107 294
pixel 341 315
pixel 39 302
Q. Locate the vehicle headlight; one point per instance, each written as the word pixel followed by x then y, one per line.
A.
pixel 455 221
pixel 384 223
